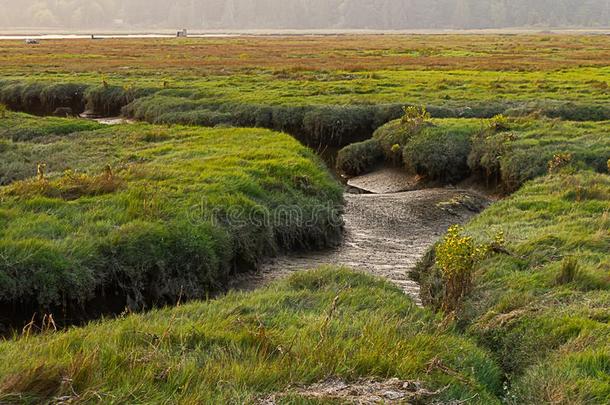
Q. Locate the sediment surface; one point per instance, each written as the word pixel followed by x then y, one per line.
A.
pixel 385 234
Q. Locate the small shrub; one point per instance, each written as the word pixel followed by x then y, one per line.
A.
pixel 559 162
pixel 499 123
pixel 3 110
pixel 415 117
pixel 568 271
pixel 360 157
pixel 457 256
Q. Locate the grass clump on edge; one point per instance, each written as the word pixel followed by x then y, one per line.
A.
pixel 313 325
pixel 528 148
pixel 542 306
pixel 360 157
pixel 181 210
pixel 386 144
pixel 440 152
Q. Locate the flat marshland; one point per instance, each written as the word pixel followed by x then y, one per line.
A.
pixel 98 220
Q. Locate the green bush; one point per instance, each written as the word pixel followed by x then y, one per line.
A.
pixel 456 257
pixel 359 158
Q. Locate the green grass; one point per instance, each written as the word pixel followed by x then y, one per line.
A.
pixel 452 149
pixel 548 332
pixel 336 87
pixel 360 157
pixel 332 89
pixel 316 324
pixel 182 209
pixel 133 214
pixel 333 119
pixel 23 127
pixel 524 151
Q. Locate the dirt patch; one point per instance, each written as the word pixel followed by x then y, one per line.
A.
pixel 385 234
pixel 384 181
pixel 362 392
pixel 113 120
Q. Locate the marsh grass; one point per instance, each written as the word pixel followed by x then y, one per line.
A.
pixel 151 212
pixel 503 152
pixel 360 157
pixel 164 226
pixel 568 271
pixel 244 346
pixel 543 309
pixel 70 186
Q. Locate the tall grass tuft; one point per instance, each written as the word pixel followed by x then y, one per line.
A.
pixel 568 271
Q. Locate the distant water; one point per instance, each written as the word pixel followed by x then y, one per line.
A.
pixel 108 36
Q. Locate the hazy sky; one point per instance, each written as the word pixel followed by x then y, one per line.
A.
pixel 301 14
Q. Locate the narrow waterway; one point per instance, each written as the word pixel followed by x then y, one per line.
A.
pixel 385 235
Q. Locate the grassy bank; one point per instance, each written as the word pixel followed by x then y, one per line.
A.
pixel 542 304
pixel 503 151
pixel 138 214
pixel 242 347
pixel 338 123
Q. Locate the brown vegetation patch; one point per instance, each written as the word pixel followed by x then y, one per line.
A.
pixel 363 391
pixel 296 54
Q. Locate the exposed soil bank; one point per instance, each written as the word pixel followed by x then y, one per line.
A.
pixel 385 234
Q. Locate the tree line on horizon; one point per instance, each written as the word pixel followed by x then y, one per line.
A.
pixel 303 14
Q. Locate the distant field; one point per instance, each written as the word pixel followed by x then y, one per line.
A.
pixel 331 69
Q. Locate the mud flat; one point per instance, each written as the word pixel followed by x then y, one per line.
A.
pixel 385 235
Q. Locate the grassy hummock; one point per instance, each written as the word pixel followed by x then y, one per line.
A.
pixel 244 346
pixel 140 214
pixel 504 152
pixel 542 306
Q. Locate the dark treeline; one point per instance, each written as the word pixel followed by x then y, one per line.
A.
pixel 303 14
